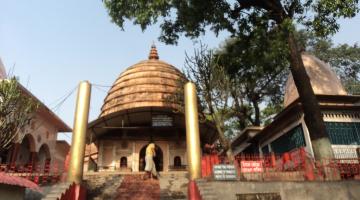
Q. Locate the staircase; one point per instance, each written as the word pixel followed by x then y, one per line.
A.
pixel 135 188
pixel 131 186
pixel 56 191
pixel 102 186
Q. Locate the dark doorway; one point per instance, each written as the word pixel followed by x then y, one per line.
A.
pixel 177 161
pixel 123 162
pixel 158 159
pixel 4 157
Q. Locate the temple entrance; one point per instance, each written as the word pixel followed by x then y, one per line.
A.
pixel 158 159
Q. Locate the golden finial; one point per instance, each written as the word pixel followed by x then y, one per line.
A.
pixel 153 53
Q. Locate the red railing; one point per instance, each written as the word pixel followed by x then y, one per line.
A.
pixel 296 165
pixel 39 174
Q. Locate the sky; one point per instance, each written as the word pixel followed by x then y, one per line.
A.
pixel 52 45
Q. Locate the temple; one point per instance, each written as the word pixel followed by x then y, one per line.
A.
pixel 142 106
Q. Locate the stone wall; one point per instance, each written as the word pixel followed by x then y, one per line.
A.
pixel 341 190
pixel 177 149
pixel 111 152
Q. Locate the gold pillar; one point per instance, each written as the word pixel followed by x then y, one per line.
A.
pixel 192 131
pixel 77 151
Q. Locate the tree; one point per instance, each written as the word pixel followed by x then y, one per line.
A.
pixel 232 81
pixel 192 17
pixel 257 66
pixel 16 111
pixel 213 86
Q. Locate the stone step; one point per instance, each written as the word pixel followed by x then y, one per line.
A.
pixel 56 191
pixel 135 188
pixel 103 187
pixel 50 198
pixel 207 191
pixel 169 186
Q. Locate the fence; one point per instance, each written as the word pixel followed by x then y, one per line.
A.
pixel 295 165
pixel 39 174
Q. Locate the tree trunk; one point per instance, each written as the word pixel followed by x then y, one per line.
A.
pixel 312 113
pixel 240 114
pixel 224 141
pixel 257 113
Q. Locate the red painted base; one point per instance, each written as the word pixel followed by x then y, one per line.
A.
pixel 80 192
pixel 193 191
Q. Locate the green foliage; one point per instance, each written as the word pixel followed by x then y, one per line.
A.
pixel 327 12
pixel 16 111
pixel 257 65
pixel 270 111
pixel 192 17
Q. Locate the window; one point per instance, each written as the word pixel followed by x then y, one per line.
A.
pixel 291 140
pixel 124 144
pixel 344 133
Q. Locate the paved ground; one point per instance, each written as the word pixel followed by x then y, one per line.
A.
pixel 135 188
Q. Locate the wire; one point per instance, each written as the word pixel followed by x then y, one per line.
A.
pixel 99 85
pixel 65 95
pixel 99 88
pixel 66 135
pixel 57 106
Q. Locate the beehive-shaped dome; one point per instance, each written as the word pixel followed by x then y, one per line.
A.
pixel 149 83
pixel 323 80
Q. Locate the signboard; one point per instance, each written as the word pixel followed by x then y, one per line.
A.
pixel 161 120
pixel 225 172
pixel 251 166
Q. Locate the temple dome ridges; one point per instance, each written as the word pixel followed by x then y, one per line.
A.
pixel 149 83
pixel 324 80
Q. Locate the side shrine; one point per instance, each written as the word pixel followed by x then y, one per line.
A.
pixel 36 147
pixel 288 131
